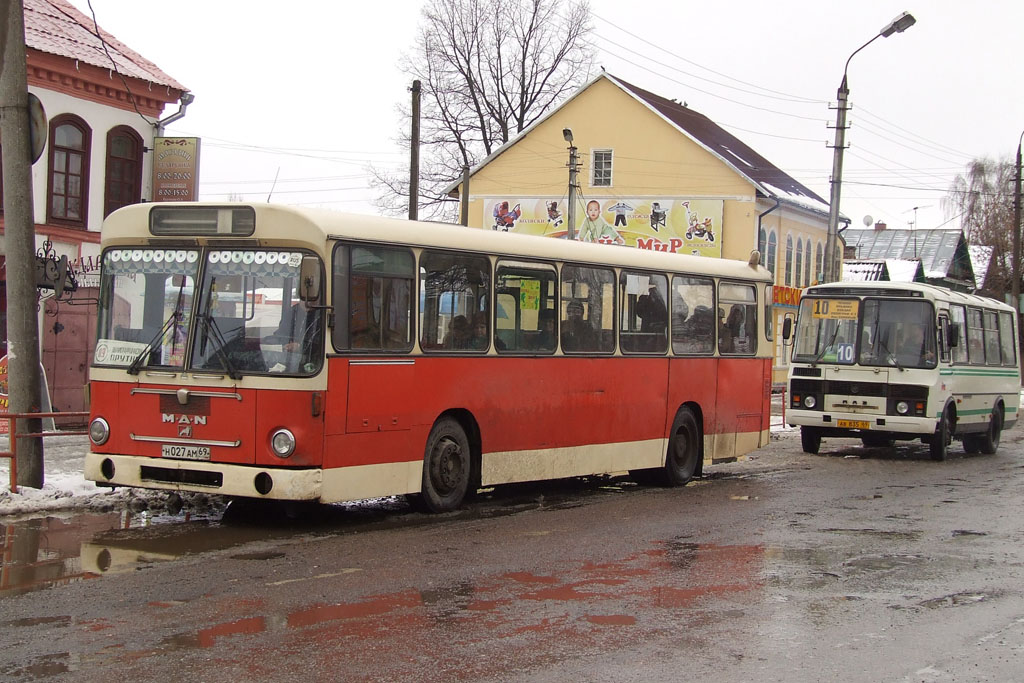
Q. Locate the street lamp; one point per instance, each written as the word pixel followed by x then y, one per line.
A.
pixel 897 25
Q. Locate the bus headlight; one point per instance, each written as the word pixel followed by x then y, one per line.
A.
pixel 283 443
pixel 810 401
pixel 99 431
pixel 902 407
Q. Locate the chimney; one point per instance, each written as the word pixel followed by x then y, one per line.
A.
pixel 880 226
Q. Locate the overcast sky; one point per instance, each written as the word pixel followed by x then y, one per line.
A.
pixel 307 91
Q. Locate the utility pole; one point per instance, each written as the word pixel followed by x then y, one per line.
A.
pixel 1015 265
pixel 465 197
pixel 24 386
pixel 573 183
pixel 414 155
pixel 842 96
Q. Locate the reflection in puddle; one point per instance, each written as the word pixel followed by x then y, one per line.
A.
pixel 41 552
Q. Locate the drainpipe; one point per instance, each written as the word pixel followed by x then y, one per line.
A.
pixel 185 99
pixel 759 217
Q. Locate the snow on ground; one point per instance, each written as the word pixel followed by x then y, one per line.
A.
pixel 65 487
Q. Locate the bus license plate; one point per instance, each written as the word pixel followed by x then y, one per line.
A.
pixel 849 424
pixel 185 452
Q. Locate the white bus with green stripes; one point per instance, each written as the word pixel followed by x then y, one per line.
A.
pixel 887 361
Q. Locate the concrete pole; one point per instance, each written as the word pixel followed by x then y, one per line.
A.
pixel 1015 263
pixel 24 384
pixel 465 195
pixel 831 269
pixel 414 155
pixel 573 183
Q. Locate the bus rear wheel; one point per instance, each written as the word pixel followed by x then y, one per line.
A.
pixel 446 465
pixel 988 443
pixel 810 439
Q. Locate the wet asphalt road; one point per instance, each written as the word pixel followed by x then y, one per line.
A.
pixel 856 565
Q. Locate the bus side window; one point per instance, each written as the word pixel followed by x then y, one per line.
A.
pixel 958 320
pixel 454 297
pixel 944 350
pixel 1007 340
pixel 644 313
pixel 693 320
pixel 528 291
pixel 588 305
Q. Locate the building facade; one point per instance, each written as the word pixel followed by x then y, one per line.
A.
pixel 654 174
pixel 102 120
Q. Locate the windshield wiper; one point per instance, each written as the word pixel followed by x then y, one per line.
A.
pixel 218 338
pixel 825 348
pixel 890 355
pixel 133 368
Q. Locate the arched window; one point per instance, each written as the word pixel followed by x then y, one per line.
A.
pixel 799 261
pixel 771 252
pixel 818 265
pixel 67 188
pixel 789 260
pixel 123 179
pixel 807 265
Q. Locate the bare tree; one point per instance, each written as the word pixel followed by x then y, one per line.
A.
pixel 983 195
pixel 488 69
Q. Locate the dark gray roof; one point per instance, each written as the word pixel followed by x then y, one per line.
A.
pixel 943 253
pixel 729 147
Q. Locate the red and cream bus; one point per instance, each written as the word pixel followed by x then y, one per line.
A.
pixel 273 352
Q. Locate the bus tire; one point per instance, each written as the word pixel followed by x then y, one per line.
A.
pixel 810 439
pixel 683 450
pixel 446 465
pixel 939 444
pixel 971 445
pixel 988 442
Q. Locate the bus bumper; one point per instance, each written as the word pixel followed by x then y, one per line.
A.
pixel 854 424
pixel 203 477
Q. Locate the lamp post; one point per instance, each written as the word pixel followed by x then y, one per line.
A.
pixel 573 167
pixel 897 25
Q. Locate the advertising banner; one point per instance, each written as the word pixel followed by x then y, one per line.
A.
pixel 176 170
pixel 681 226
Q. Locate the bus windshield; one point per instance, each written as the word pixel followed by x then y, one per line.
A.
pixel 874 332
pixel 243 317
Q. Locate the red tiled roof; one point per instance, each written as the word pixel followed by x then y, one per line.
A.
pixel 56 27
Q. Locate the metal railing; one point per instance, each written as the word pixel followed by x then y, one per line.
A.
pixel 13 436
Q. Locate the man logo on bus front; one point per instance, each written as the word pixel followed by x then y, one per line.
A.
pixel 185 430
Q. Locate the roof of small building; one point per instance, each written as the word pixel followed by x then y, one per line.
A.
pixel 56 27
pixel 935 248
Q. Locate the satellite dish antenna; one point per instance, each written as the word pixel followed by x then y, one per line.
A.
pixel 868 220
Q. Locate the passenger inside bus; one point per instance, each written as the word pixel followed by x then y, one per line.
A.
pixel 546 338
pixel 577 333
pixel 724 333
pixel 459 334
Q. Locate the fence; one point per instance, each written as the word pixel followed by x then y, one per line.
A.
pixel 12 421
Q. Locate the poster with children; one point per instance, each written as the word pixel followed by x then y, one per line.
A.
pixel 682 226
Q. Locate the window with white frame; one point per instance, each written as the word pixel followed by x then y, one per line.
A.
pixel 601 175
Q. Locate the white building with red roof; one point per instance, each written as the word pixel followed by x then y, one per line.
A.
pixel 103 102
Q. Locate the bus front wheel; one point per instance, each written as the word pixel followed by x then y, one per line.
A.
pixel 810 439
pixel 683 450
pixel 446 465
pixel 939 444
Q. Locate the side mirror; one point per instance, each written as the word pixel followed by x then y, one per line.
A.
pixel 953 335
pixel 787 329
pixel 309 279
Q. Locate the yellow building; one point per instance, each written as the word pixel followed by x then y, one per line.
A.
pixel 653 174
